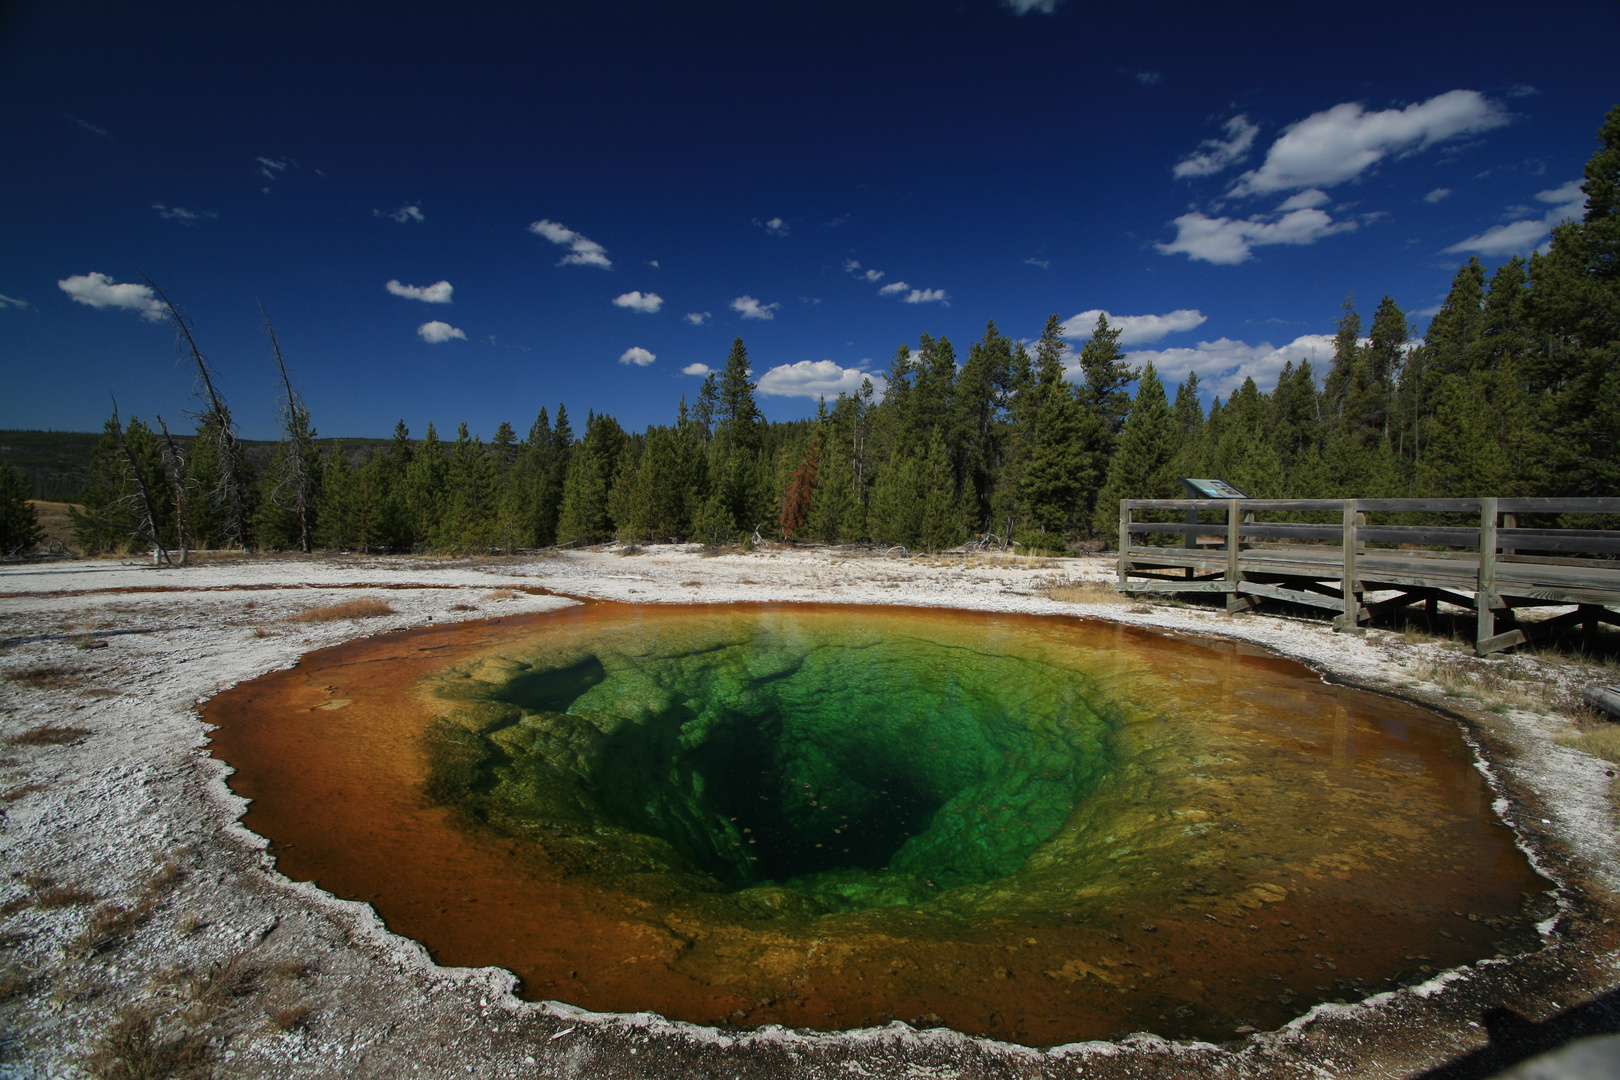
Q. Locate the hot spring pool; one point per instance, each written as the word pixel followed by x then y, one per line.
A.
pixel 1035 828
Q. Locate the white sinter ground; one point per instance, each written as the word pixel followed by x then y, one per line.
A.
pixel 281 980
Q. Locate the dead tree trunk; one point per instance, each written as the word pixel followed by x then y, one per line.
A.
pixel 295 425
pixel 174 464
pixel 216 423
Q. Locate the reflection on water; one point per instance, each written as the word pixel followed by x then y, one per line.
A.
pixel 828 817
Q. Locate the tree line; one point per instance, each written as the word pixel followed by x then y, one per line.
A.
pixel 1514 390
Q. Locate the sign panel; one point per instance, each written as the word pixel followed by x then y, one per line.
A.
pixel 1212 489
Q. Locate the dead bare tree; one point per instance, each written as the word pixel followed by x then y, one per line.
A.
pixel 294 489
pixel 216 426
pixel 174 464
pixel 160 554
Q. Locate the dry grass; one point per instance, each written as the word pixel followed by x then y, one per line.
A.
pixel 691 584
pixel 47 676
pixel 16 793
pixel 1600 740
pixel 51 894
pixel 463 607
pixel 133 1048
pixel 108 924
pixel 291 1018
pixel 1500 686
pixel 351 609
pixel 1087 592
pixel 48 735
pixel 56 521
pixel 503 594
pixel 188 923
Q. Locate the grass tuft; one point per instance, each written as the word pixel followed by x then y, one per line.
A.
pixel 133 1049
pixel 51 894
pixel 47 676
pixel 291 1018
pixel 48 735
pixel 352 609
pixel 1599 741
pixel 1087 592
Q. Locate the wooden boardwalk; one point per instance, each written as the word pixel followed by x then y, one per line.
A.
pixel 1248 550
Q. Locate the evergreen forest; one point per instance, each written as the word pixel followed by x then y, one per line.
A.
pixel 1513 390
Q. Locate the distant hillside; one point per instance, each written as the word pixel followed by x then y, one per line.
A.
pixel 57 463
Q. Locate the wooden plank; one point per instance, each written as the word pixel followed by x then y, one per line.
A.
pixel 1176 586
pixel 1174 504
pixel 1499 642
pixel 1603 698
pixel 1420 535
pixel 1559 506
pixel 1293 596
pixel 1559 540
pixel 1420 506
pixel 1407 599
pixel 1331 506
pixel 1284 530
pixel 1351 586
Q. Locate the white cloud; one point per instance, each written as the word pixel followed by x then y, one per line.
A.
pixel 11 302
pixel 436 332
pixel 1437 194
pixel 1042 263
pixel 100 291
pixel 776 226
pixel 1341 143
pixel 696 318
pixel 181 214
pixel 1217 154
pixel 893 287
pixel 815 378
pixel 402 215
pixel 1024 7
pixel 696 369
pixel 584 252
pixel 1149 78
pixel 1227 241
pixel 1515 236
pixel 638 356
pixel 1135 329
pixel 1568 202
pixel 1521 90
pixel 437 293
pixel 272 168
pixel 853 267
pixel 653 263
pixel 749 308
pixel 88 126
pixel 636 301
pixel 1309 199
pixel 1222 365
pixel 926 296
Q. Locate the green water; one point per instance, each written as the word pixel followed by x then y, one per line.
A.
pixel 816 763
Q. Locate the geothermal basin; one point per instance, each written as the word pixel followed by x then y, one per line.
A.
pixel 1034 828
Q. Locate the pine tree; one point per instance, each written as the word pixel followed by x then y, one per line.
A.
pixel 1574 310
pixel 19 520
pixel 337 521
pixel 1143 467
pixel 1057 474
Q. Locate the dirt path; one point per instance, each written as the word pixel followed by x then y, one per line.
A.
pixel 134 911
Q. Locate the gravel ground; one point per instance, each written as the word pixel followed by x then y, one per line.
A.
pixel 138 917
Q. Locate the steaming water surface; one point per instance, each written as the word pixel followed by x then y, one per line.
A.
pixel 1034 828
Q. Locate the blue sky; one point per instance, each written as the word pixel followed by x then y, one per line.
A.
pixel 465 212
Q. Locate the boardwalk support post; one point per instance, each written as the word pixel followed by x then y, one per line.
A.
pixel 1235 600
pixel 1124 543
pixel 1350 620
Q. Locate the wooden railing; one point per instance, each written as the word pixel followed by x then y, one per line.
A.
pixel 1496 538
